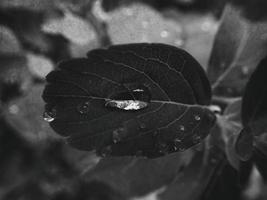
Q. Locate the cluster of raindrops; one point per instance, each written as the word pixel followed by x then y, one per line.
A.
pixel 118 134
pixel 84 107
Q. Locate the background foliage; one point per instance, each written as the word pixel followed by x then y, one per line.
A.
pixel 228 39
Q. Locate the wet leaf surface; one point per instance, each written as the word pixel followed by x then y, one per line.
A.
pixel 168 79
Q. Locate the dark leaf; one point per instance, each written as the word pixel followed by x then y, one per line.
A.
pixel 261 143
pixel 252 9
pixel 244 144
pixel 131 99
pixel 134 177
pixel 254 107
pixel 238 47
pixel 261 162
pixel 253 112
pixel 191 183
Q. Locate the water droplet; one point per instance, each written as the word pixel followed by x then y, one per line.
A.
pixel 196 139
pixel 49 115
pixel 245 70
pixel 13 109
pixel 206 26
pixel 126 104
pixel 118 135
pixel 181 128
pixel 142 126
pixel 177 142
pixel 106 151
pixel 179 42
pixel 164 34
pixel 197 117
pixel 84 107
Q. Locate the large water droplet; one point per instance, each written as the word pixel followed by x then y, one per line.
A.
pixel 84 107
pixel 126 104
pixel 49 115
pixel 197 117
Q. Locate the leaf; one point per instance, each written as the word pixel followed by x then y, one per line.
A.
pixel 171 81
pixel 136 177
pixel 254 111
pixel 193 181
pixel 38 65
pixel 74 28
pixel 244 144
pixel 8 41
pixel 254 107
pixel 238 47
pixel 139 22
pixel 252 9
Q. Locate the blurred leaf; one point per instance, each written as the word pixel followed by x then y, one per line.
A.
pixel 141 23
pixel 238 48
pixel 26 25
pixel 74 28
pixel 95 100
pixel 25 115
pixel 27 4
pixel 135 177
pixel 39 65
pixel 8 41
pixel 14 76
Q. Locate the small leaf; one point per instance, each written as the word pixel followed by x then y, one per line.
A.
pixel 131 98
pixel 238 47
